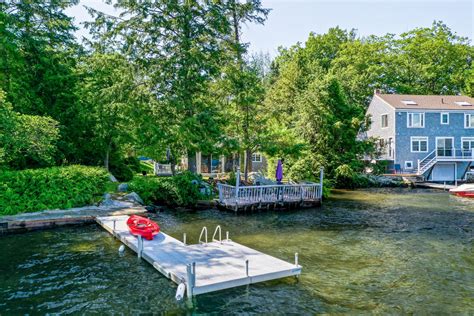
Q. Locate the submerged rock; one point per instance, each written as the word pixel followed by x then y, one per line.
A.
pixel 134 197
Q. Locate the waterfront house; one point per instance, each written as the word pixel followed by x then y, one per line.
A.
pixel 428 135
pixel 214 164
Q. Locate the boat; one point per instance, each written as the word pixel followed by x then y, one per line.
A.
pixel 142 226
pixel 465 190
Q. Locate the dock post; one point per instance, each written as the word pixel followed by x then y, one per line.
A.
pixel 140 246
pixel 296 259
pixel 114 226
pixel 227 236
pixel 247 267
pixel 184 239
pixel 189 285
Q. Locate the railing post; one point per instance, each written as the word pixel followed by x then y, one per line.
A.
pixel 237 184
pixel 321 178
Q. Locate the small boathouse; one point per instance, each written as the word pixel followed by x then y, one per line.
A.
pixel 278 196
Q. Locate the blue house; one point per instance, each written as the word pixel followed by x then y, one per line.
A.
pixel 428 135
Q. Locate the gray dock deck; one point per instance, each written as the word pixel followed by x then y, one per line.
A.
pixel 218 265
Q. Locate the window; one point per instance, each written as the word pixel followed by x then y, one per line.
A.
pixel 444 118
pixel 467 144
pixel 384 120
pixel 468 120
pixel 419 144
pixel 256 157
pixel 416 120
pixel 408 164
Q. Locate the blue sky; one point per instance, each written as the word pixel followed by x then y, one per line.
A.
pixel 290 21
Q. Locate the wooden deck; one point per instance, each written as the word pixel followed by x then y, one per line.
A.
pixel 206 267
pixel 238 197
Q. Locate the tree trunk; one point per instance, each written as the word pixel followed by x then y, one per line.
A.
pixel 248 164
pixel 107 156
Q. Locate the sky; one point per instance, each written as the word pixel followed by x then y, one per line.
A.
pixel 291 21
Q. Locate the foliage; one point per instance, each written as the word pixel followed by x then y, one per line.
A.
pixel 110 104
pixel 179 190
pixel 37 60
pixel 26 140
pixel 33 190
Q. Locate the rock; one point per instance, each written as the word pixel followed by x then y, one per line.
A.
pixel 122 187
pixel 153 208
pixel 112 178
pixel 109 203
pixel 134 197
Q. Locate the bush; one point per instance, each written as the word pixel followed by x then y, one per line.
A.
pixel 121 171
pixel 179 190
pixel 33 190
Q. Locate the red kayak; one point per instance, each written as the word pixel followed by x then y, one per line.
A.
pixel 143 226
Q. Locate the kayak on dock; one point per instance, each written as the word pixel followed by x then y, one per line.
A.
pixel 465 190
pixel 142 226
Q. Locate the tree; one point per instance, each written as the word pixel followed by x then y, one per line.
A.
pixel 178 43
pixel 243 87
pixel 37 57
pixel 109 96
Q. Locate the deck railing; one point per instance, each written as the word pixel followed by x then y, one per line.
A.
pixel 229 194
pixel 444 154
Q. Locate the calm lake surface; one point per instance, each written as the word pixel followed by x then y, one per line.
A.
pixel 370 251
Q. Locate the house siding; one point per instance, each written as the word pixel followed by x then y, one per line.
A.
pixel 376 109
pixel 433 128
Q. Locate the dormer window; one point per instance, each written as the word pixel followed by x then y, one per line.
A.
pixel 463 103
pixel 409 102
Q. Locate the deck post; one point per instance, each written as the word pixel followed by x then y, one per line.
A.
pixel 247 267
pixel 114 226
pixel 237 184
pixel 296 259
pixel 321 178
pixel 184 239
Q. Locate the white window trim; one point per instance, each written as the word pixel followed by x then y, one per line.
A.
pixel 465 120
pixel 420 138
pixel 411 162
pixel 254 155
pixel 441 118
pixel 422 119
pixel 466 139
pixel 381 120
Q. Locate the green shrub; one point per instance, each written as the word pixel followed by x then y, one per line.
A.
pixel 33 190
pixel 122 172
pixel 178 190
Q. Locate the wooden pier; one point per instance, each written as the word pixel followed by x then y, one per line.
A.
pixel 205 267
pixel 238 197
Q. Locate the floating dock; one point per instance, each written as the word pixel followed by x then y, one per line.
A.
pixel 205 267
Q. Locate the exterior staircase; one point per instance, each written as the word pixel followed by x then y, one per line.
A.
pixel 437 155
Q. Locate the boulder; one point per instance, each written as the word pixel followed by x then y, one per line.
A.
pixel 108 202
pixel 112 178
pixel 122 187
pixel 134 197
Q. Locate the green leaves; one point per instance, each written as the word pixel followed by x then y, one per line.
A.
pixel 33 190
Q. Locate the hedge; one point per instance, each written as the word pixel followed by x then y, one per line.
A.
pixel 179 190
pixel 33 190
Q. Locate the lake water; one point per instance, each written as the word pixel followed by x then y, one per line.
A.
pixel 369 251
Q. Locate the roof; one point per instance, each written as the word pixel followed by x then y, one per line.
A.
pixel 428 102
